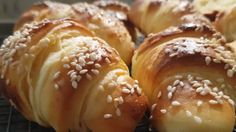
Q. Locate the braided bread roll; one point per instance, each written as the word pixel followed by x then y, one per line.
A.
pixel 58 74
pixel 104 25
pixel 222 13
pixel 189 79
pixel 153 16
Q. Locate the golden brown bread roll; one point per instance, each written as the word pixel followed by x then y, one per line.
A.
pixel 58 74
pixel 153 16
pixel 98 21
pixel 222 13
pixel 188 77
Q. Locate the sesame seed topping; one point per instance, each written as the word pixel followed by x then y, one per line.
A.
pixel 136 81
pixel 208 60
pixel 132 91
pixel 163 111
pixel 78 67
pixel 199 103
pixel 56 86
pixel 100 87
pixel 109 98
pixel 125 90
pixel 230 73
pixel 176 82
pixel 107 116
pixel 179 77
pixel 56 75
pixel 66 66
pixel 153 107
pixel 94 71
pixel 118 112
pixel 74 84
pixel 231 102
pixel 159 95
pixel 197 119
pixel 169 95
pixel 78 78
pixel 97 66
pixel 175 103
pixel 213 102
pixel 188 113
pixel 88 76
pixel 199 89
pixel 83 71
pixel 107 60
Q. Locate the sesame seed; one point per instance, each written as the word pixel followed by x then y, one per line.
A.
pixel 88 76
pixel 100 87
pixel 215 89
pixel 199 89
pixel 213 102
pixel 225 96
pixel 181 83
pixel 136 81
pixel 188 113
pixel 151 117
pixel 83 71
pixel 197 119
pixel 199 103
pixel 94 71
pixel 173 54
pixel 176 82
pixel 56 86
pixel 125 90
pixel 107 60
pixel 169 95
pixel 179 77
pixel 196 85
pixel 74 84
pixel 231 102
pixel 153 107
pixel 107 116
pixel 78 78
pixel 175 103
pixel 216 61
pixel 169 88
pixel 221 93
pixel 56 75
pixel 167 51
pixel 66 66
pixel 159 95
pixel 109 98
pixel 230 73
pixel 139 91
pixel 90 62
pixel 163 111
pixel 173 89
pixel 203 93
pixel 73 63
pixel 208 60
pixel 132 91
pixel 97 66
pixel 118 112
pixel 207 82
pixel 78 67
pixel 226 66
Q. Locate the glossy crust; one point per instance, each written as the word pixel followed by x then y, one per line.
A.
pixel 222 13
pixel 101 23
pixel 157 15
pixel 58 74
pixel 119 10
pixel 189 80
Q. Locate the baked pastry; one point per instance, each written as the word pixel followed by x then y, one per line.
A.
pixel 222 13
pixel 157 15
pixel 119 10
pixel 104 25
pixel 58 74
pixel 189 79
